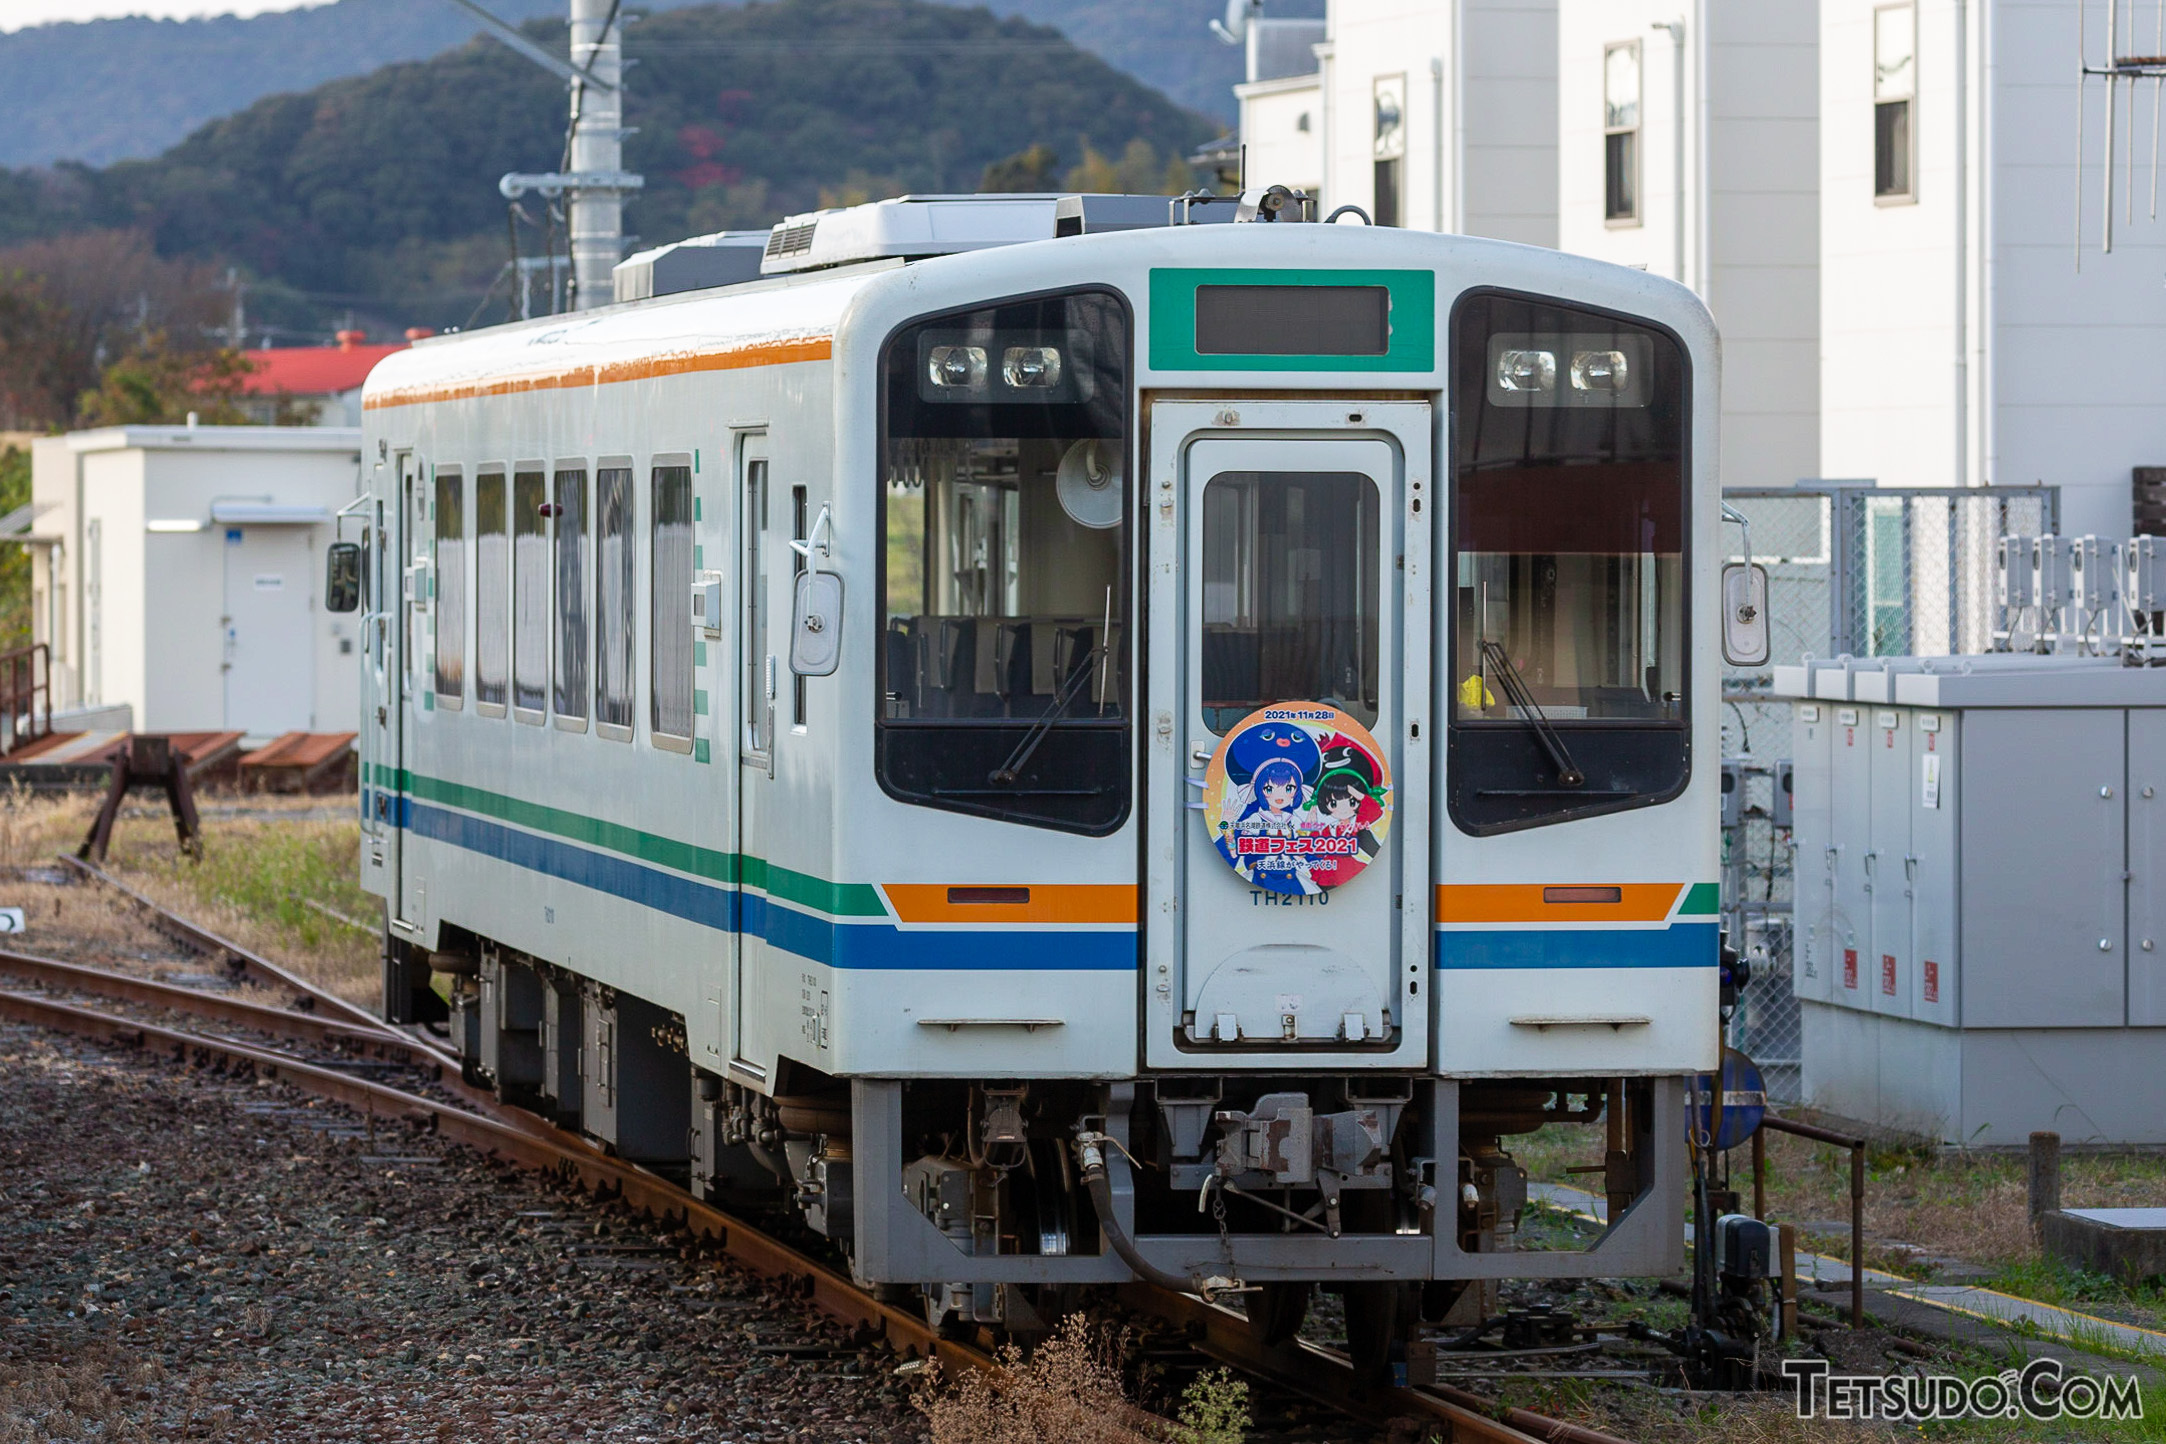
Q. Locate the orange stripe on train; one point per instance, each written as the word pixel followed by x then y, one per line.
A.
pixel 769 353
pixel 994 904
pixel 1631 902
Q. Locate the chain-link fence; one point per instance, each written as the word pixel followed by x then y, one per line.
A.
pixel 1858 570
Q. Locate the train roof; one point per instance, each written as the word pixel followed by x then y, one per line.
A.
pixel 818 264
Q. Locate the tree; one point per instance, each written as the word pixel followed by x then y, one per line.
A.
pixel 1035 169
pixel 156 384
pixel 69 305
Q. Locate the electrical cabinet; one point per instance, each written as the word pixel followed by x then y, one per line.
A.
pixel 2147 868
pixel 1813 876
pixel 1981 893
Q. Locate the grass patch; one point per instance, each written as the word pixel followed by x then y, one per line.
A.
pixel 277 875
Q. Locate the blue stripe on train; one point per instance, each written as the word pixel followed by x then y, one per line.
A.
pixel 1680 945
pixel 840 945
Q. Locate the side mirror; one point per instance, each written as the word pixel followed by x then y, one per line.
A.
pixel 1745 641
pixel 816 625
pixel 342 577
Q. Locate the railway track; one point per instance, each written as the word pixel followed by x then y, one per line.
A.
pixel 244 1037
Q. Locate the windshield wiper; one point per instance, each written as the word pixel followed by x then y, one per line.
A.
pixel 1006 773
pixel 1530 712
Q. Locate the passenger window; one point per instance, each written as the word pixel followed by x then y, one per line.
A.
pixel 492 592
pixel 450 580
pixel 614 617
pixel 1290 595
pixel 671 590
pixel 1003 670
pixel 530 592
pixel 575 565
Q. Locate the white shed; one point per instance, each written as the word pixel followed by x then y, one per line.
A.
pixel 181 573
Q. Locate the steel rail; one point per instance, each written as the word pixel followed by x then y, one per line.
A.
pixel 384 1044
pixel 252 965
pixel 1302 1368
pixel 279 1022
pixel 1329 1379
pixel 563 1157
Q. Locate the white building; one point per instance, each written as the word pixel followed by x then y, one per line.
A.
pixel 180 572
pixel 1433 114
pixel 1960 343
pixel 1688 147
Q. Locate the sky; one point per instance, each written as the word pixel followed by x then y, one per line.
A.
pixel 15 14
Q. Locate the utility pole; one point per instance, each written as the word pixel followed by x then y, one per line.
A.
pixel 597 201
pixel 596 183
pixel 237 317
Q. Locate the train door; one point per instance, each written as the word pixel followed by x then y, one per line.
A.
pixel 1288 908
pixel 758 674
pixel 418 539
pixel 380 683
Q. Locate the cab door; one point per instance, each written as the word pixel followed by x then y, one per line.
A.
pixel 1288 913
pixel 758 668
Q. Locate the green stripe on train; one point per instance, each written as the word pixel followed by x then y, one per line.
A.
pixel 1703 901
pixel 839 899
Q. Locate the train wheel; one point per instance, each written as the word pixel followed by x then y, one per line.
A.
pixel 1377 1325
pixel 1275 1311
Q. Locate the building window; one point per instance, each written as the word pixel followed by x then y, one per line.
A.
pixel 1390 150
pixel 1621 133
pixel 530 592
pixel 1895 86
pixel 575 562
pixel 450 586
pixel 492 593
pixel 670 592
pixel 615 617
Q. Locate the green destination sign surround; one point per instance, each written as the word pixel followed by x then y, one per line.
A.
pixel 1412 320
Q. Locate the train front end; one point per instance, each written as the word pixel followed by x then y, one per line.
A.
pixel 1290 644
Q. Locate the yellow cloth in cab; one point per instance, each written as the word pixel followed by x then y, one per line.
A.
pixel 1474 694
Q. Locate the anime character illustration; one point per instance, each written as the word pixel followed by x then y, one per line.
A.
pixel 1298 798
pixel 1347 802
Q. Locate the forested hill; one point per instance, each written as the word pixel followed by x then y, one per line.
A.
pixel 106 90
pixel 379 191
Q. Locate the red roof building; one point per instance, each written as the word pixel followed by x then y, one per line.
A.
pixel 327 378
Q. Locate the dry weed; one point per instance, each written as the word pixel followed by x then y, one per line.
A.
pixel 94 1396
pixel 1069 1389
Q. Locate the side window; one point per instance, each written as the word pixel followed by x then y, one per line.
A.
pixel 450 580
pixel 799 504
pixel 1004 579
pixel 530 593
pixel 759 710
pixel 575 568
pixel 670 592
pixel 492 594
pixel 616 558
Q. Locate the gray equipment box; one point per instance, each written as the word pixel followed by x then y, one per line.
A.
pixel 1981 894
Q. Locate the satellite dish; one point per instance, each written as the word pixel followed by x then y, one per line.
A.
pixel 1088 484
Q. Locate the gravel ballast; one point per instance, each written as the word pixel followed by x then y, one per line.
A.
pixel 188 1256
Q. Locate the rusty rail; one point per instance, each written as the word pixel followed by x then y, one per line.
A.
pixel 1856 1146
pixel 532 1142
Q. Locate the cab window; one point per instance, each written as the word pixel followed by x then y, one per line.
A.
pixel 1569 512
pixel 1003 676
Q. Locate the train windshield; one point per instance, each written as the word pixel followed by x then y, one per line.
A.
pixel 1004 494
pixel 1568 537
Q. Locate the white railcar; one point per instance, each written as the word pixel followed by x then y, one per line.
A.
pixel 1073 755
